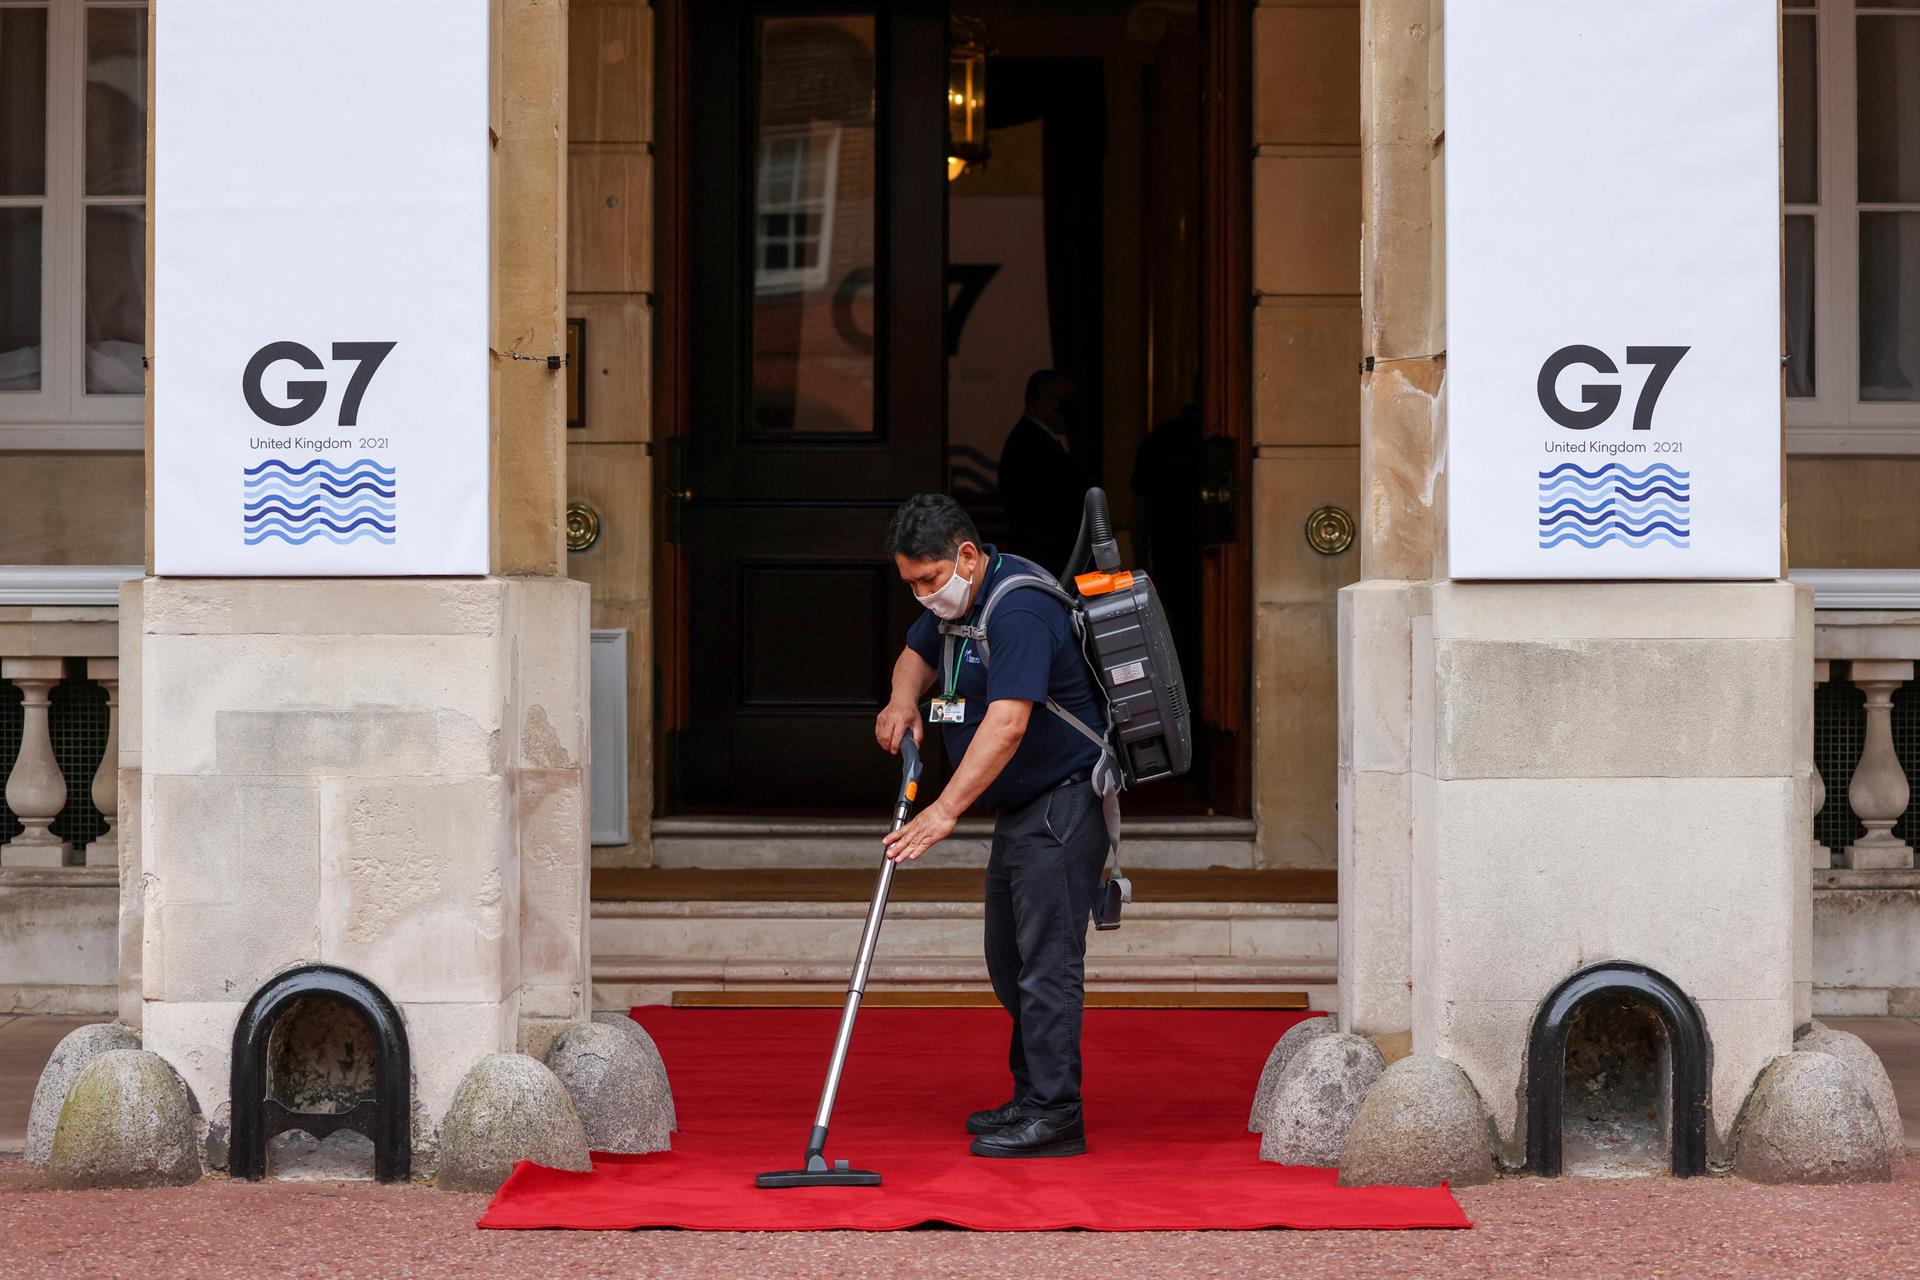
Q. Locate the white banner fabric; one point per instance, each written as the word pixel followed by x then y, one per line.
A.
pixel 1613 373
pixel 320 365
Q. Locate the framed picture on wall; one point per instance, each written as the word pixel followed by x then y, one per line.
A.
pixel 576 373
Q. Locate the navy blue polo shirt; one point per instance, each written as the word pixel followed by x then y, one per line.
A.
pixel 1035 655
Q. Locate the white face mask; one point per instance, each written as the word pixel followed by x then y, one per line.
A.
pixel 950 600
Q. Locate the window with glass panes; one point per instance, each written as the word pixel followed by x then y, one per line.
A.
pixel 73 222
pixel 1851 82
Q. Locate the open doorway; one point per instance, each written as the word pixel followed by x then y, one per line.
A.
pixel 828 375
pixel 1075 281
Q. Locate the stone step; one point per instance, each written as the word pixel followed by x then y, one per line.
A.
pixel 741 931
pixel 738 843
pixel 621 982
pixel 929 881
pixel 644 951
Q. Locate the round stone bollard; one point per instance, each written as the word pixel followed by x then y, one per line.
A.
pixel 126 1122
pixel 1422 1123
pixel 1283 1050
pixel 619 1098
pixel 1809 1120
pixel 1315 1099
pixel 508 1108
pixel 1872 1074
pixel 70 1057
pixel 649 1053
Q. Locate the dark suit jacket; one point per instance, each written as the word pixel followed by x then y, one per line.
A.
pixel 1043 488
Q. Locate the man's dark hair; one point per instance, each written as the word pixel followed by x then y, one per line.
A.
pixel 930 526
pixel 1039 382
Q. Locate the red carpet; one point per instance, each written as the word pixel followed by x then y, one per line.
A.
pixel 1167 1093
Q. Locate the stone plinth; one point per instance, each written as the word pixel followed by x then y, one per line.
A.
pixel 57 940
pixel 1864 924
pixel 387 776
pixel 1589 772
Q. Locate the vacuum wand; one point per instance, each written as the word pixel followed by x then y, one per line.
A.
pixel 817 1172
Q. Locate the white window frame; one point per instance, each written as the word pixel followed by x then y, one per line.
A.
pixel 1835 419
pixel 63 414
pixel 825 141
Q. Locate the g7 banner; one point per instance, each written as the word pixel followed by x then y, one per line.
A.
pixel 1613 289
pixel 320 288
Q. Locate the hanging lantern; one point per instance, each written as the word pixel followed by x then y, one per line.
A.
pixel 966 95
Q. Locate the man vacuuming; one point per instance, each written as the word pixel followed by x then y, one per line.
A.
pixel 1033 770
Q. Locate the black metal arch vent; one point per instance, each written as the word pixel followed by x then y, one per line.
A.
pixel 1686 1049
pixel 385 1118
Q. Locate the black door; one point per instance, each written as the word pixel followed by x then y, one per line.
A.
pixel 817 249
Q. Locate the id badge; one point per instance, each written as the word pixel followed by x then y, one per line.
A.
pixel 949 711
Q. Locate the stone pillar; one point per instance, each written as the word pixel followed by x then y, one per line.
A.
pixel 1378 780
pixel 529 286
pixel 1879 790
pixel 105 852
pixel 1402 292
pixel 36 791
pixel 1617 775
pixel 388 775
pixel 1537 777
pixel 1385 766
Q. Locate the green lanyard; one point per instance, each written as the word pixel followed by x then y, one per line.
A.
pixel 953 674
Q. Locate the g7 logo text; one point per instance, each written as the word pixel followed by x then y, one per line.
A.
pixel 1602 398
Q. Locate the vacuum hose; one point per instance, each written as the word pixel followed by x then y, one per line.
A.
pixel 1096 515
pixel 1095 537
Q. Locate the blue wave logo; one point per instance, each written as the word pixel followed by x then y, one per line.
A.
pixel 1613 503
pixel 318 499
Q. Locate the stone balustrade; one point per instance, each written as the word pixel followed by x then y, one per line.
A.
pixel 1873 651
pixel 1866 890
pixel 61 867
pixel 58 627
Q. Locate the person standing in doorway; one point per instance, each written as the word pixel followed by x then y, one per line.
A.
pixel 1034 771
pixel 1169 473
pixel 1042 484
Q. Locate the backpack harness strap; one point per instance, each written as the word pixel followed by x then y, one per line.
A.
pixel 1107 781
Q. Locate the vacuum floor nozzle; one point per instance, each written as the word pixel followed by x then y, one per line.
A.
pixel 840 1175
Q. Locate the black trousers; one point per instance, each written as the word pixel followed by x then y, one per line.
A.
pixel 1042 876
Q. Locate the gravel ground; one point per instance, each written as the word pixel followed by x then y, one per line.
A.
pixel 1526 1227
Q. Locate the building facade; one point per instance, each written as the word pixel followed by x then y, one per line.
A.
pixel 778 314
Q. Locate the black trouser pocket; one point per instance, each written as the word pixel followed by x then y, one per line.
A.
pixel 1064 809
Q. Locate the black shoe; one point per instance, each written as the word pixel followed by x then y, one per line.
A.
pixel 1000 1117
pixel 1036 1137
